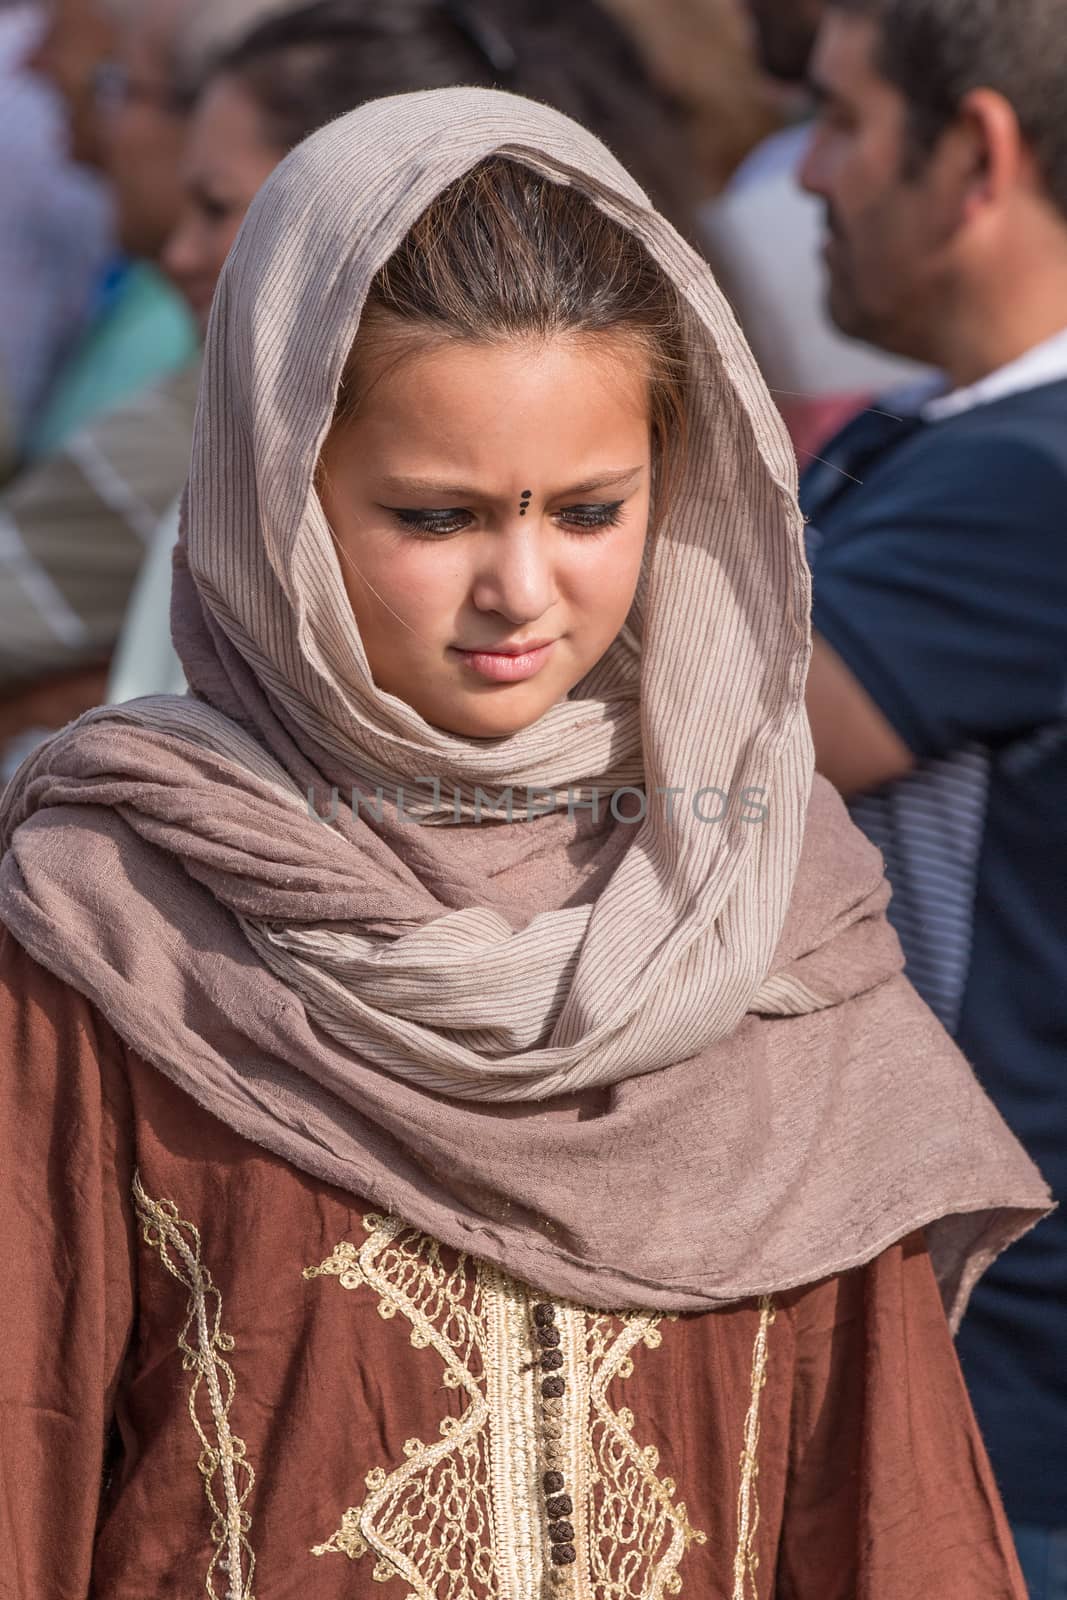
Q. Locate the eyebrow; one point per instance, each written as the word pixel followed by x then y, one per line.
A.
pixel 824 95
pixel 459 491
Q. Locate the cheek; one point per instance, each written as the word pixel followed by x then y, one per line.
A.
pixel 423 585
pixel 859 175
pixel 857 188
pixel 226 233
pixel 136 134
pixel 599 579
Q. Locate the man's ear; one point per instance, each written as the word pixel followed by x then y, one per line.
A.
pixel 993 148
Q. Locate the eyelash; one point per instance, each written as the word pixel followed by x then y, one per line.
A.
pixel 594 518
pixel 214 210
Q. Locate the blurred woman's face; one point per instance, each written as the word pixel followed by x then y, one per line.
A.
pixel 227 157
pixel 490 506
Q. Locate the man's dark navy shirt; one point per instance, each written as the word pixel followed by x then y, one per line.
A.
pixel 940 580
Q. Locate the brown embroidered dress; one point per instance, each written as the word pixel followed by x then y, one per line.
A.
pixel 222 1376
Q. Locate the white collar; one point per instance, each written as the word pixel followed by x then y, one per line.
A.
pixel 1045 363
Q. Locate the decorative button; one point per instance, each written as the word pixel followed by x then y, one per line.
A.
pixel 559 1506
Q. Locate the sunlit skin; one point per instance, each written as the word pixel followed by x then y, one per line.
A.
pixel 423 489
pixel 227 157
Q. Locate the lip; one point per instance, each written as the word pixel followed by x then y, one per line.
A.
pixel 511 664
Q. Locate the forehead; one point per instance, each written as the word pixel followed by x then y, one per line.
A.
pixel 79 19
pixel 150 34
pixel 226 128
pixel 844 62
pixel 537 406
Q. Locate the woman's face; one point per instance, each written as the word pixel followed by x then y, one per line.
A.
pixel 490 505
pixel 227 158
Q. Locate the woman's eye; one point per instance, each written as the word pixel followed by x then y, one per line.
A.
pixel 440 524
pixel 591 516
pixel 838 119
pixel 433 524
pixel 212 209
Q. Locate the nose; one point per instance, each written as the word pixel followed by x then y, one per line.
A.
pixel 810 173
pixel 516 578
pixel 180 258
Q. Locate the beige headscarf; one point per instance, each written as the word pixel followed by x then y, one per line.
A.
pixel 344 992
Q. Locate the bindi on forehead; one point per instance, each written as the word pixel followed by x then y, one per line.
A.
pixel 524 501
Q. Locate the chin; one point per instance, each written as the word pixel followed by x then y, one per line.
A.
pixel 486 721
pixel 855 320
pixel 843 313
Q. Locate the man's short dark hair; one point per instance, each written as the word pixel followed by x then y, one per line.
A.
pixel 936 51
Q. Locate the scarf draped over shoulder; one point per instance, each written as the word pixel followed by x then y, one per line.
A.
pixel 280 890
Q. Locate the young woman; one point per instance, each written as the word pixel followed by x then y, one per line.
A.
pixel 465 1124
pixel 302 68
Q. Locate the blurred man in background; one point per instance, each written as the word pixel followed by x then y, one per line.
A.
pixel 55 237
pixel 142 107
pixel 77 36
pixel 764 237
pixel 938 687
pixel 113 67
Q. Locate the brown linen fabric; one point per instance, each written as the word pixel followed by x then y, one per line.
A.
pixel 873 1480
pixel 337 991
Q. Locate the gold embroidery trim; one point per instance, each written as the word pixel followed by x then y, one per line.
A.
pixel 513 1413
pixel 746 1560
pixel 463 1516
pixel 177 1243
pixel 633 1509
pixel 430 1520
